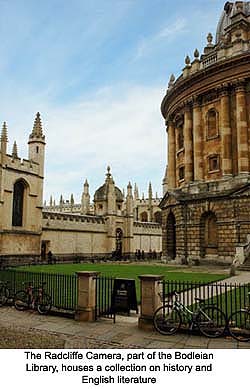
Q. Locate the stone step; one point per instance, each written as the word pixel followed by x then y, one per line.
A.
pixel 244 267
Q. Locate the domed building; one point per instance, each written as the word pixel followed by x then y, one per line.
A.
pixel 206 207
pixel 107 193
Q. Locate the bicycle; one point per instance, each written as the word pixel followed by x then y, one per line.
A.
pixel 33 298
pixel 239 324
pixel 209 319
pixel 4 293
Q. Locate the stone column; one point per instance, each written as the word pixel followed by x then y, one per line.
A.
pixel 86 297
pixel 171 156
pixel 226 133
pixel 241 123
pixel 150 299
pixel 197 141
pixel 188 144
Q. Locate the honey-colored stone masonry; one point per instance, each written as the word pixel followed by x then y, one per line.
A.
pixel 206 208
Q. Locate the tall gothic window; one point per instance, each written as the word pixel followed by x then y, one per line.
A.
pixel 212 123
pixel 18 199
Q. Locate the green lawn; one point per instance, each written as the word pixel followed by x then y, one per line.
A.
pixel 127 270
pixel 62 287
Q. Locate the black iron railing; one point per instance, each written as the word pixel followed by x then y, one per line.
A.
pixel 61 287
pixel 229 297
pixel 104 290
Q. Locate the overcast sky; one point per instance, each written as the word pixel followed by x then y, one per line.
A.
pixel 97 72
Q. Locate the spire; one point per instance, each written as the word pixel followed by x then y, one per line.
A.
pixel 37 131
pixel 50 201
pixel 136 192
pixel 72 201
pixel 129 200
pixel 129 188
pixel 4 135
pixel 14 150
pixel 150 192
pixel 61 200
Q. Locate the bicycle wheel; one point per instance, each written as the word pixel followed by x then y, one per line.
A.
pixel 211 321
pixel 44 304
pixel 167 320
pixel 239 325
pixel 4 295
pixel 21 300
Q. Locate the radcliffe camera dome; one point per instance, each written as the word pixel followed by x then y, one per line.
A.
pixel 230 9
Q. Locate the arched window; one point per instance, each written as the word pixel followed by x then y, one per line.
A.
pixel 180 137
pixel 157 217
pixel 179 120
pixel 212 123
pixel 18 203
pixel 144 217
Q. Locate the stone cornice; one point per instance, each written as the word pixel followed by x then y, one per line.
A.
pixel 205 80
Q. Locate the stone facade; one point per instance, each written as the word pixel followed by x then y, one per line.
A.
pixel 21 192
pixel 103 229
pixel 107 227
pixel 206 208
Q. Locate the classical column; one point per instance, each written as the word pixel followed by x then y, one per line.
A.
pixel 241 124
pixel 171 155
pixel 188 144
pixel 197 141
pixel 226 133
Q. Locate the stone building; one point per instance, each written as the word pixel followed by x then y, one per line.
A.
pixel 21 195
pixel 98 229
pixel 206 207
pixel 145 209
pixel 28 232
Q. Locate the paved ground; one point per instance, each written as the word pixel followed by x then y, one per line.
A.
pixel 62 332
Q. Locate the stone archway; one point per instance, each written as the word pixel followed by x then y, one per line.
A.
pixel 209 234
pixel 171 236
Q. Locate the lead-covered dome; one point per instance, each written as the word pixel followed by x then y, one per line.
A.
pixel 230 9
pixel 101 193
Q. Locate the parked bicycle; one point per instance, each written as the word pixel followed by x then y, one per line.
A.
pixel 4 292
pixel 33 298
pixel 239 324
pixel 209 319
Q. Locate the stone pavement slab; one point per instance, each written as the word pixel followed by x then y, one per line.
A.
pixel 106 334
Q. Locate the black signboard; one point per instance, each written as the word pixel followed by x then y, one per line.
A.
pixel 124 296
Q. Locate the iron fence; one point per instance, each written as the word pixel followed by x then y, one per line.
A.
pixel 103 303
pixel 229 297
pixel 61 287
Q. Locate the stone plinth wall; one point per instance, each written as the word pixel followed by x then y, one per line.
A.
pixel 232 224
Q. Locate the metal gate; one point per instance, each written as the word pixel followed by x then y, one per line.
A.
pixel 103 303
